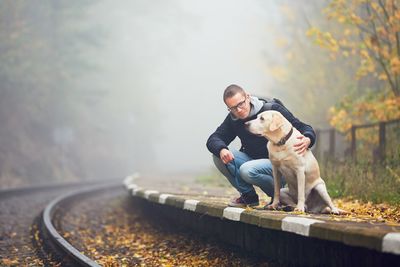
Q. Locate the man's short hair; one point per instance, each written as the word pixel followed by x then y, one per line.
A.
pixel 232 90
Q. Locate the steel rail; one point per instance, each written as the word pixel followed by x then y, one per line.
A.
pixel 76 256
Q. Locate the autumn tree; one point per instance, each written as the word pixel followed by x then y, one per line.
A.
pixel 369 33
pixel 306 78
pixel 40 54
pixel 66 111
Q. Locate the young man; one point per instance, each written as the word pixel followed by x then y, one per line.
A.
pixel 250 165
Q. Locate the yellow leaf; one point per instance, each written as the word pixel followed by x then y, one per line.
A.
pixel 341 19
pixel 364 53
pixel 382 77
pixel 395 65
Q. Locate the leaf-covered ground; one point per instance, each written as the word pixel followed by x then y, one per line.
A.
pixel 365 212
pixel 119 235
pixel 20 242
pixel 360 211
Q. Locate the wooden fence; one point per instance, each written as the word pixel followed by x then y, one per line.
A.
pixel 328 141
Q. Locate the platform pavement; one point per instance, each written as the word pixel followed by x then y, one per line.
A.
pixel 185 194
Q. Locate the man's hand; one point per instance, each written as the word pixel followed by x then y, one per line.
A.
pixel 302 146
pixel 226 156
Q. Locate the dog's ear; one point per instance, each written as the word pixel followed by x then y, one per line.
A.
pixel 277 122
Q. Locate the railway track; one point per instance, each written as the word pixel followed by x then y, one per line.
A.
pixel 25 231
pixel 51 217
pixel 99 226
pixel 102 225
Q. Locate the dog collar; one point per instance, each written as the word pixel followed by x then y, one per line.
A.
pixel 284 139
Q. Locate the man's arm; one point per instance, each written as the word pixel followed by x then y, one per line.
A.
pixel 221 138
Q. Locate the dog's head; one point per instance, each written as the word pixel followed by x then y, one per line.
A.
pixel 266 123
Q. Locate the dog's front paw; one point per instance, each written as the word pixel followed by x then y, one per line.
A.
pixel 272 206
pixel 338 211
pixel 335 211
pixel 299 208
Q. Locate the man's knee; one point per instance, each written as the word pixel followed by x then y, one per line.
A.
pixel 217 161
pixel 246 172
pixel 252 170
pixel 249 169
pixel 219 164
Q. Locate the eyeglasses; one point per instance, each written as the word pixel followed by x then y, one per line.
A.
pixel 239 105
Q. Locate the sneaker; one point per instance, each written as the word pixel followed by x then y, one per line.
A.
pixel 244 201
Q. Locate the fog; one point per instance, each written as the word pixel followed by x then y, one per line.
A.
pixel 181 54
pixel 153 76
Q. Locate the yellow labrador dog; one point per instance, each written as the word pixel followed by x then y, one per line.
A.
pixel 306 190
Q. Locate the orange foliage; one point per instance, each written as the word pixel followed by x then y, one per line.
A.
pixel 371 32
pixel 362 111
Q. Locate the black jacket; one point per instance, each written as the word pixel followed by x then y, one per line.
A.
pixel 253 145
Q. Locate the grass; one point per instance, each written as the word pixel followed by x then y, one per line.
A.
pixel 365 181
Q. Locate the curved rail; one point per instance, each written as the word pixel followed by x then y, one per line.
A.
pixel 7 192
pixel 73 254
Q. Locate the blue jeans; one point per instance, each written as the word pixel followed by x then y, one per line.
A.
pixel 244 172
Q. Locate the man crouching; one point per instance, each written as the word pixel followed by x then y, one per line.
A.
pixel 250 166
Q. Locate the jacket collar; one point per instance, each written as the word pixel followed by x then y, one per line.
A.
pixel 255 106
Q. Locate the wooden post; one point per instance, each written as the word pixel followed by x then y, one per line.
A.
pixel 382 141
pixel 332 143
pixel 317 146
pixel 353 143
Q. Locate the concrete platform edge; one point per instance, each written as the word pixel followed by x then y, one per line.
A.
pixel 378 240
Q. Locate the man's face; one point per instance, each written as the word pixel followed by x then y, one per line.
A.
pixel 239 105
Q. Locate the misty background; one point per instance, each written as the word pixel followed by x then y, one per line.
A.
pixel 103 89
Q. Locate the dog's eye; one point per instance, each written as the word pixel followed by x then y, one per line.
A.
pixel 261 118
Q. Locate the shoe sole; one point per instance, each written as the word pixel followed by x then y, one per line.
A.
pixel 244 205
